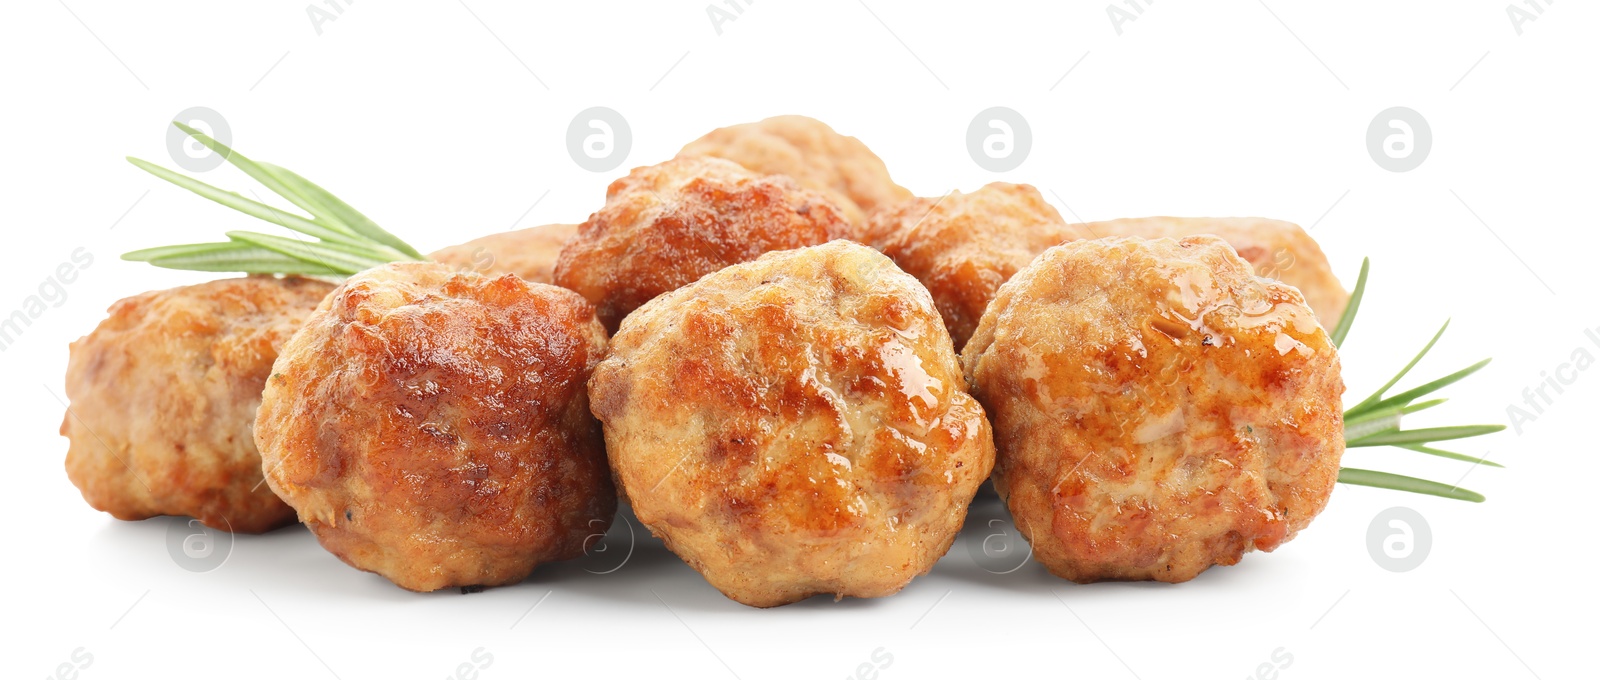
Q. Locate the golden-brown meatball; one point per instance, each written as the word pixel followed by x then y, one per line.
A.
pixel 795 425
pixel 663 226
pixel 433 427
pixel 529 253
pixel 963 246
pixel 1277 249
pixel 1157 408
pixel 164 393
pixel 813 154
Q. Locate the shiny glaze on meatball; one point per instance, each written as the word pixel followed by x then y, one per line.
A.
pixel 1157 408
pixel 795 425
pixel 433 426
pixel 1276 249
pixel 962 246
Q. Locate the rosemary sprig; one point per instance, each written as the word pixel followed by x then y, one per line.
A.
pixel 1375 421
pixel 345 241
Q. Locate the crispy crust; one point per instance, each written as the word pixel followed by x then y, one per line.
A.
pixel 433 427
pixel 1157 408
pixel 529 253
pixel 963 246
pixel 1276 249
pixel 795 425
pixel 663 226
pixel 813 154
pixel 164 393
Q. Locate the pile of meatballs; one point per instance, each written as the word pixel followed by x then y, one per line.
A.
pixel 797 373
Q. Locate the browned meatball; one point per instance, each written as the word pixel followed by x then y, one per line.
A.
pixel 529 253
pixel 433 426
pixel 813 154
pixel 1157 408
pixel 663 226
pixel 963 246
pixel 164 393
pixel 795 425
pixel 1277 249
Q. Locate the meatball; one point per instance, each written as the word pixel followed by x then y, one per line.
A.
pixel 663 226
pixel 795 425
pixel 432 426
pixel 529 253
pixel 1277 249
pixel 164 392
pixel 1157 407
pixel 813 154
pixel 963 246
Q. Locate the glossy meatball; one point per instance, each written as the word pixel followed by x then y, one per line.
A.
pixel 813 154
pixel 529 253
pixel 163 395
pixel 1277 249
pixel 795 425
pixel 433 427
pixel 963 246
pixel 1157 408
pixel 663 226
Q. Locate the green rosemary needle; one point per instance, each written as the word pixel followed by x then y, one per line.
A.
pixel 1375 421
pixel 343 241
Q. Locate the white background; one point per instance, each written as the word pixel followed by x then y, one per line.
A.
pixel 446 123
